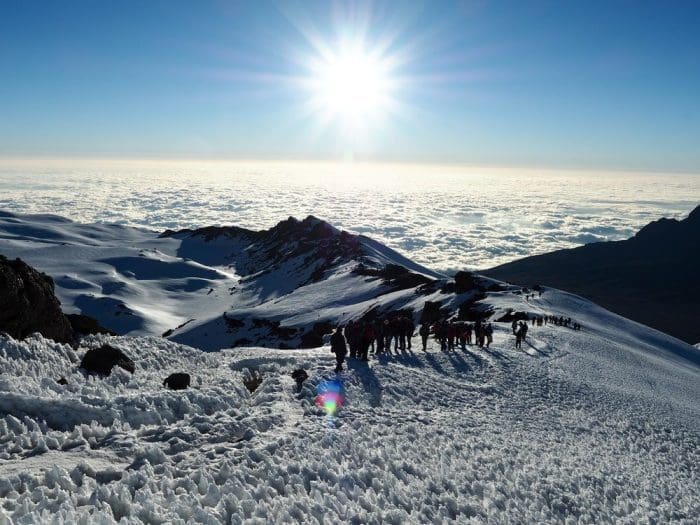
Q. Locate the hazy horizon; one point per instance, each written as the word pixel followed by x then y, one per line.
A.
pixel 479 83
pixel 445 217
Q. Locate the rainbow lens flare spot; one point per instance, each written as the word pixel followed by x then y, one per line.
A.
pixel 330 396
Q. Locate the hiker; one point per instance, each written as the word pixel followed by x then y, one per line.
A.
pixel 368 339
pixel 424 333
pixel 379 335
pixel 489 334
pixel 468 331
pixel 386 330
pixel 440 334
pixel 395 326
pixel 523 329
pixel 451 334
pixel 339 348
pixel 514 326
pixel 519 337
pixel 462 335
pixel 408 328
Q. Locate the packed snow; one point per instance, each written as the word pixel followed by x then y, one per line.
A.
pixel 600 425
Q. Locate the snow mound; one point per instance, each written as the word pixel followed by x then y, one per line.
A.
pixel 596 426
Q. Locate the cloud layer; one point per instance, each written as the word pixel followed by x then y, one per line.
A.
pixel 445 218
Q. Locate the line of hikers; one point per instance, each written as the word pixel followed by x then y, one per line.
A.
pixel 452 333
pixel 379 335
pixel 557 321
pixel 397 329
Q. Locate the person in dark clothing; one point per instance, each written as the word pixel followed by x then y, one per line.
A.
pixel 409 327
pixel 339 348
pixel 424 333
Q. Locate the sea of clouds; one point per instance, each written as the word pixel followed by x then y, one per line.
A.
pixel 447 217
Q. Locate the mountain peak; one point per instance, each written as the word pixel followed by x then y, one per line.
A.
pixel 671 230
pixel 310 228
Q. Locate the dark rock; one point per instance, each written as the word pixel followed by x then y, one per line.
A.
pixel 101 360
pixel 300 375
pixel 465 282
pixel 28 303
pixel 86 325
pixel 177 381
pixel 432 312
pixel 253 382
pixel 311 340
pixel 314 337
pixel 232 322
pixel 170 331
pixel 472 310
pixel 511 316
pixel 63 381
pixel 394 275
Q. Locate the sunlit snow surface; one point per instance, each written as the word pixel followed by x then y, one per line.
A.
pixel 596 426
pixel 446 218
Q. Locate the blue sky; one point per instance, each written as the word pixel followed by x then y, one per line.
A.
pixel 612 84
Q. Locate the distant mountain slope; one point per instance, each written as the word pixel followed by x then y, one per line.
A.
pixel 220 287
pixel 652 278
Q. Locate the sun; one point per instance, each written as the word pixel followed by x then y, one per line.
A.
pixel 351 85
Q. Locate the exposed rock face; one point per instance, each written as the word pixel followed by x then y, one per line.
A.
pixel 651 278
pixel 103 359
pixel 465 282
pixel 28 303
pixel 431 312
pixel 177 381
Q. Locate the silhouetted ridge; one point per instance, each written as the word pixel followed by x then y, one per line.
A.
pixel 651 278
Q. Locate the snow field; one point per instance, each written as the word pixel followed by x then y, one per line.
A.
pixel 550 435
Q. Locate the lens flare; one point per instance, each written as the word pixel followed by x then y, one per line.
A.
pixel 330 396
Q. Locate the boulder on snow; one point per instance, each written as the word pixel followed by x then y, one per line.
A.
pixel 28 303
pixel 253 381
pixel 300 375
pixel 101 360
pixel 177 381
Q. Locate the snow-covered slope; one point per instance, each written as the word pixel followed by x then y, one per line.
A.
pixel 594 426
pixel 217 287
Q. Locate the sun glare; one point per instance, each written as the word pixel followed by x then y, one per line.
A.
pixel 352 86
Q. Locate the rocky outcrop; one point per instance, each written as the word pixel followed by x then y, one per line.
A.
pixel 103 359
pixel 177 381
pixel 28 303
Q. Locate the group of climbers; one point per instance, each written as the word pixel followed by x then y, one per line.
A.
pixel 379 335
pixel 397 330
pixel 452 333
